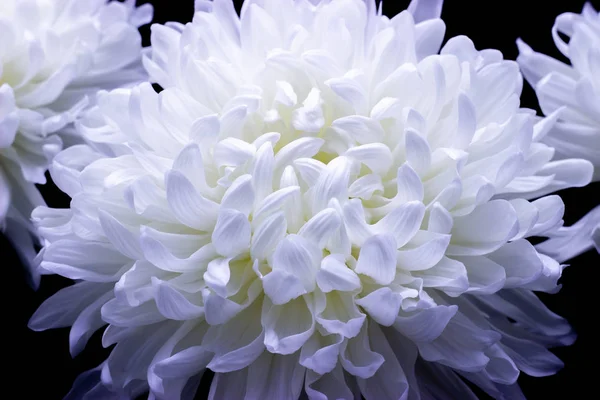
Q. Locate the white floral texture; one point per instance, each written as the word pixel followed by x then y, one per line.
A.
pixel 573 91
pixel 54 56
pixel 317 202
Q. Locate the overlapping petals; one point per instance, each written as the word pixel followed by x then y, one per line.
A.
pixel 316 202
pixel 55 55
pixel 571 92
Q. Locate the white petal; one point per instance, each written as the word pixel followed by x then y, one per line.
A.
pixel 596 238
pixel 281 287
pixel 357 357
pixel 274 202
pixel 298 257
pixel 262 175
pixel 190 163
pixel 530 313
pixel 155 252
pixel 89 384
pixel 232 152
pixel 120 314
pixel 332 184
pixel 205 130
pixel 520 261
pixel 467 122
pixel 217 275
pixel 230 385
pixel 461 345
pixel 236 343
pixel 423 10
pixel 268 234
pixel 288 326
pixel 574 240
pixel 448 275
pixel 377 258
pixel 319 228
pixel 304 147
pixel 320 353
pixel 424 251
pixel 340 315
pixel 485 276
pixel 527 216
pixel 328 386
pixel 240 195
pixel 309 118
pixel 376 156
pixel 232 233
pixel 61 309
pixel 354 220
pixel 309 169
pixel 173 304
pixel 135 286
pixel 531 357
pixel 147 200
pixel 334 274
pixel 269 137
pixel 550 212
pixel 285 94
pixel 362 129
pixel 425 325
pixel 189 207
pixel 122 238
pixel 382 305
pixel 232 122
pixel 219 310
pixel 484 230
pixel 294 206
pixel 536 65
pixel 548 279
pixel 414 120
pixel 275 376
pixel 418 153
pixel 366 186
pixel 402 223
pixel 349 89
pixel 440 381
pixel 88 322
pixel 95 262
pixel 429 36
pixel 501 368
pixel 388 107
pixel 389 382
pixel 184 363
pixel 410 187
pixel 440 220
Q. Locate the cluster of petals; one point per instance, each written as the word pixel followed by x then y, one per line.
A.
pixel 320 201
pixel 54 56
pixel 572 91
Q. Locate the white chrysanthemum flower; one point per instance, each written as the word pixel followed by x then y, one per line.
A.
pixel 573 91
pixel 54 56
pixel 318 202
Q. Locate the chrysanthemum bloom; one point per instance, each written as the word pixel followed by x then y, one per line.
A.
pixel 54 56
pixel 573 91
pixel 317 202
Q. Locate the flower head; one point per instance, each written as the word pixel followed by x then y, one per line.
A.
pixel 573 93
pixel 317 201
pixel 55 55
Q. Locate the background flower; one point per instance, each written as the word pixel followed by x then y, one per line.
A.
pixel 572 91
pixel 421 366
pixel 55 55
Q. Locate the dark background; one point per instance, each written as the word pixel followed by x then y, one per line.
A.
pixel 39 365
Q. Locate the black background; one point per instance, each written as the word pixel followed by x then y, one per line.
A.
pixel 38 365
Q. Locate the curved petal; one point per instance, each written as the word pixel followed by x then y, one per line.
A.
pixel 287 326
